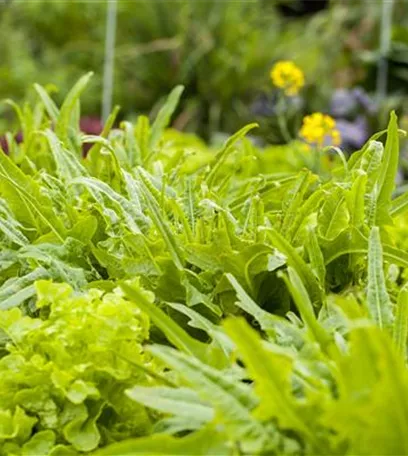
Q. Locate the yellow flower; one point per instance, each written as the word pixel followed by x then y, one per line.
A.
pixel 320 129
pixel 288 77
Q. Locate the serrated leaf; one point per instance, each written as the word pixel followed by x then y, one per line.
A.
pixel 356 242
pixel 305 308
pixel 371 163
pixel 296 262
pixel 333 217
pixel 10 227
pixel 142 135
pixel 177 401
pixel 232 401
pixel 316 257
pixel 378 300
pixel 310 206
pixel 67 108
pixel 294 199
pixel 199 321
pixel 226 150
pixel 400 330
pixel 355 199
pixel 126 210
pixel 25 198
pixel 271 373
pixel 68 165
pixel 175 333
pixel 245 302
pixel 164 229
pixel 16 291
pixel 388 172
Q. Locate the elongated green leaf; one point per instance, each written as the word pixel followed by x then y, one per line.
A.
pixel 177 401
pixel 394 255
pixel 355 242
pixel 13 293
pixel 161 225
pixel 132 146
pixel 226 150
pixel 378 301
pixel 310 206
pixel 303 304
pixel 125 208
pixel 142 135
pixel 388 172
pixel 175 333
pixel 94 150
pixel 199 321
pixel 271 373
pixel 18 298
pixel 334 217
pixel 68 165
pixel 316 257
pixel 133 190
pixel 11 231
pixel 49 104
pixel 297 263
pixel 207 442
pixel 233 401
pixel 356 159
pixel 68 106
pixel 26 199
pixel 164 115
pixel 355 199
pixel 265 319
pixel 371 163
pixel 399 205
pixel 372 382
pixel 293 200
pixel 400 330
pixel 10 227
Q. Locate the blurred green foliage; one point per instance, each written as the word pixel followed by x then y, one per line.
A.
pixel 220 50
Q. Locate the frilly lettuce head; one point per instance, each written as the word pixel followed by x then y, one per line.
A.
pixel 65 371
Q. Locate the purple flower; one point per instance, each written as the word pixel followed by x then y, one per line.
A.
pixel 365 101
pixel 354 133
pixel 346 103
pixel 342 103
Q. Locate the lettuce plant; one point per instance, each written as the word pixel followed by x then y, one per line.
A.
pixel 160 296
pixel 64 372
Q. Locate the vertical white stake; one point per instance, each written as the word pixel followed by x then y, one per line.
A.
pixel 385 44
pixel 109 60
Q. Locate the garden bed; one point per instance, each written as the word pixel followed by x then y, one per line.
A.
pixel 159 296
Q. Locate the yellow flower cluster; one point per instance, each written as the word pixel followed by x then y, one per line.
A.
pixel 288 77
pixel 320 129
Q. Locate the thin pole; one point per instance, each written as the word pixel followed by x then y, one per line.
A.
pixel 385 44
pixel 109 60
